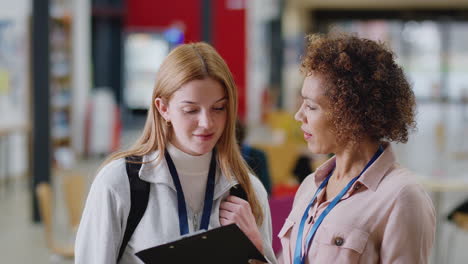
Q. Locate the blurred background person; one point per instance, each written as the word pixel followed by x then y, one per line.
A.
pixel 255 158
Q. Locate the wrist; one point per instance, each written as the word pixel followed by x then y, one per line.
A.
pixel 257 240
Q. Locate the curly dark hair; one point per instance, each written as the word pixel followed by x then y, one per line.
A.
pixel 367 91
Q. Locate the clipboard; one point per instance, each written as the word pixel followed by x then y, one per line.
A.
pixel 225 244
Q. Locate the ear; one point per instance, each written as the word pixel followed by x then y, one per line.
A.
pixel 163 108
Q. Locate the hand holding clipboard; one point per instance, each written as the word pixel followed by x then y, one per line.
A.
pixel 225 244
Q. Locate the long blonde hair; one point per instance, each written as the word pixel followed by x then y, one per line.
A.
pixel 187 62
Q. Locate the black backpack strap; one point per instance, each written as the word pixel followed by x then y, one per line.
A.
pixel 238 191
pixel 139 195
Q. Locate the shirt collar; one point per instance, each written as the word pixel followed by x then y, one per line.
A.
pixel 323 170
pixel 371 177
pixel 158 173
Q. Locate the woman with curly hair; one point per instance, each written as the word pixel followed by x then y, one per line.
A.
pixel 360 206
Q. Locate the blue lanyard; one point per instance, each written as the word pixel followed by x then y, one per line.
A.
pixel 299 256
pixel 182 208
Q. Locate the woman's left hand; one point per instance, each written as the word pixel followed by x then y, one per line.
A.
pixel 238 211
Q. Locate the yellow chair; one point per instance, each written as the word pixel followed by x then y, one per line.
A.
pixel 74 191
pixel 74 188
pixel 285 122
pixel 461 220
pixel 281 160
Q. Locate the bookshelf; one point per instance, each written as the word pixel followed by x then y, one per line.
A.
pixel 60 81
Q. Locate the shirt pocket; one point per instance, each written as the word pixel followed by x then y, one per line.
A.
pixel 339 244
pixel 285 238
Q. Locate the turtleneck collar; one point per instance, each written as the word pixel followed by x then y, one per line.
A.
pixel 188 164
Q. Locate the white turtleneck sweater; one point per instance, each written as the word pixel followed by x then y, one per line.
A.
pixel 193 174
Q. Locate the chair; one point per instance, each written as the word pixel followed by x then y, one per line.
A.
pixel 74 186
pixel 460 219
pixel 284 121
pixel 281 160
pixel 73 190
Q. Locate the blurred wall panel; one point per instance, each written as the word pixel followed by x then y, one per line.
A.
pixel 228 28
pixel 229 38
pixel 162 14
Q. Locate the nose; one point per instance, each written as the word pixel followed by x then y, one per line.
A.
pixel 205 120
pixel 299 116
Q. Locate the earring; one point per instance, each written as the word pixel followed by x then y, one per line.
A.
pixel 168 123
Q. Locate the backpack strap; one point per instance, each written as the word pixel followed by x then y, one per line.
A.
pixel 139 195
pixel 238 191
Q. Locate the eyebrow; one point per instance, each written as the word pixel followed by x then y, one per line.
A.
pixel 307 98
pixel 191 102
pixel 312 100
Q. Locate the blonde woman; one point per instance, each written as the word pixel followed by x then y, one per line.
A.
pixel 190 161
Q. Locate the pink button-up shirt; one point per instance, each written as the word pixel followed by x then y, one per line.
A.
pixel 385 217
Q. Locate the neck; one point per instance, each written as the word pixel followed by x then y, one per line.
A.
pixel 350 161
pixel 188 164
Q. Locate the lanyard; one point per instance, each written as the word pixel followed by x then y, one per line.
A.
pixel 182 208
pixel 299 256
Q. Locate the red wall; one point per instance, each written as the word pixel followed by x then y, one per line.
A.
pixel 228 36
pixel 163 13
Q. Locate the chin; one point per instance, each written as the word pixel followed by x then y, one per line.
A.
pixel 315 149
pixel 201 149
pixel 311 147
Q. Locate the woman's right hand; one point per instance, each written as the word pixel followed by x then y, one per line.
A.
pixel 238 211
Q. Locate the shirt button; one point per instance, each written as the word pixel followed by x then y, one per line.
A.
pixel 339 241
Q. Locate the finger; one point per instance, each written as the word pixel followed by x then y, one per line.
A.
pixel 236 200
pixel 254 261
pixel 242 204
pixel 229 206
pixel 242 222
pixel 225 221
pixel 227 215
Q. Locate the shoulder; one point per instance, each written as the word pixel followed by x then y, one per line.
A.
pixel 402 186
pixel 112 177
pixel 258 187
pixel 399 179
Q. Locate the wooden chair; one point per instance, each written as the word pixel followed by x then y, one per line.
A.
pixel 45 198
pixel 73 191
pixel 461 222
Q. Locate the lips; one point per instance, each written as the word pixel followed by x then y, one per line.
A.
pixel 205 137
pixel 306 135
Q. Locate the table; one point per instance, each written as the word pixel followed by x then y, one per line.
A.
pixel 6 130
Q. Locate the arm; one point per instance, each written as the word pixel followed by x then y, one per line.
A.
pixel 409 231
pixel 101 228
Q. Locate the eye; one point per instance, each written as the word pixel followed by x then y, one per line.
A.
pixel 311 107
pixel 189 110
pixel 219 108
